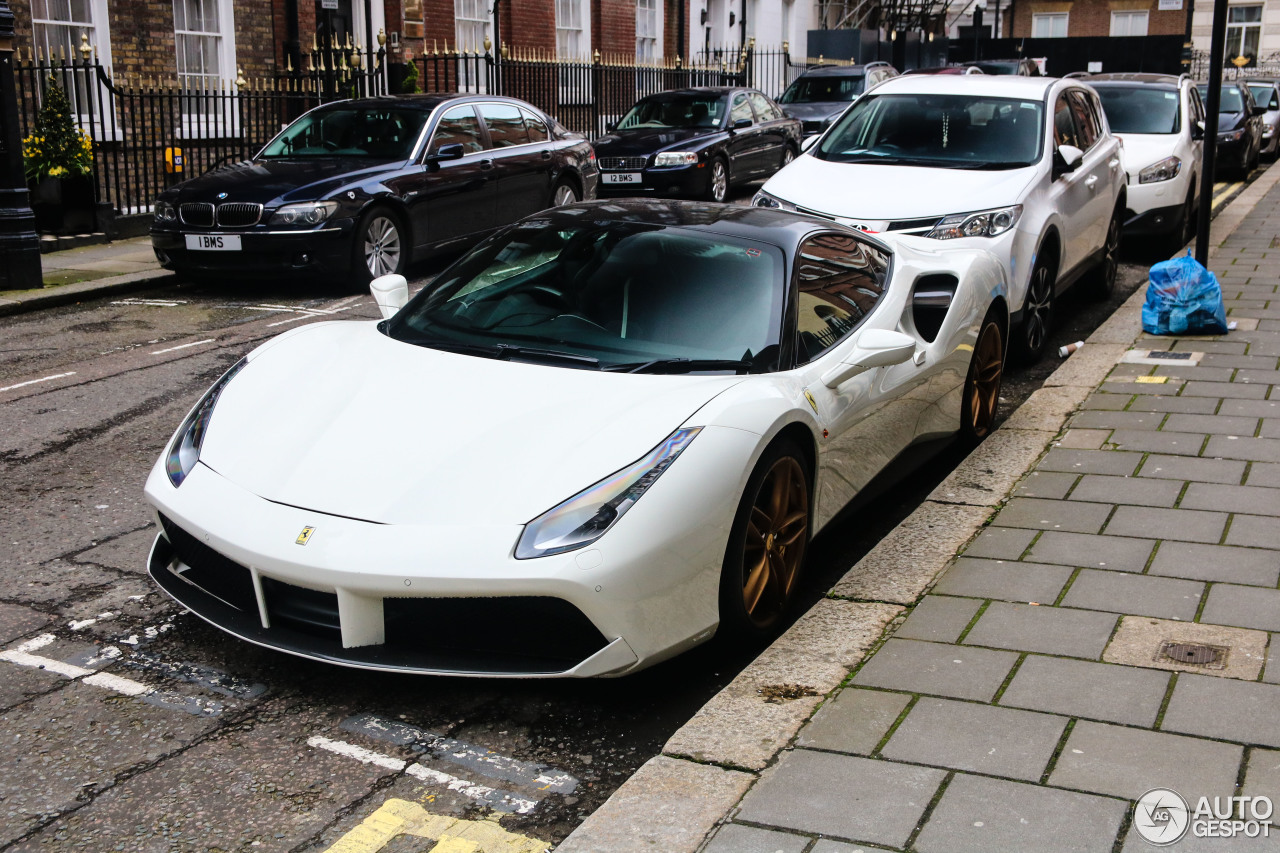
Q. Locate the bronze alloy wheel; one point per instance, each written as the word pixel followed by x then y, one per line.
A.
pixel 774 544
pixel 982 386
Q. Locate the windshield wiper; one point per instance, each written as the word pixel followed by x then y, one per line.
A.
pixel 503 352
pixel 684 365
pixel 991 164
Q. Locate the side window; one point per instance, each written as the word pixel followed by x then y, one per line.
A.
pixel 536 126
pixel 764 111
pixel 459 126
pixel 741 108
pixel 1064 126
pixel 506 125
pixel 1197 106
pixel 1088 128
pixel 839 280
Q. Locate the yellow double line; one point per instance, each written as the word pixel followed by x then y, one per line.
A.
pixel 1222 191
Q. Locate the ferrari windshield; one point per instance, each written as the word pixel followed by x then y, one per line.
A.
pixel 381 133
pixel 1141 109
pixel 817 90
pixel 676 110
pixel 607 295
pixel 944 131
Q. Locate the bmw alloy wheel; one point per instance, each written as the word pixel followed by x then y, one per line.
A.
pixel 382 245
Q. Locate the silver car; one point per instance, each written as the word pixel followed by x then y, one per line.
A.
pixel 1267 94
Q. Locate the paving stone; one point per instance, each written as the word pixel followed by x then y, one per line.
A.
pixel 1254 531
pixel 1262 778
pixel 844 796
pixel 1045 484
pixel 1139 491
pixel 1050 630
pixel 1270 427
pixel 1233 447
pixel 1004 579
pixel 942 670
pixel 1117 420
pixel 1188 405
pixel 735 838
pixel 1185 525
pixel 1251 408
pixel 1106 402
pixel 854 721
pixel 1261 377
pixel 1127 762
pixel 1271 673
pixel 1189 468
pixel 1240 711
pixel 1177 443
pixel 1220 360
pixel 1084 439
pixel 826 845
pixel 938 618
pixel 1186 371
pixel 1099 691
pixel 981 738
pixel 1141 640
pixel 1243 606
pixel 1116 553
pixel 1254 500
pixel 1142 389
pixel 980 815
pixel 1264 474
pixel 1216 563
pixel 1090 461
pixel 1005 543
pixel 1122 592
pixel 1073 517
pixel 1215 424
pixel 1224 390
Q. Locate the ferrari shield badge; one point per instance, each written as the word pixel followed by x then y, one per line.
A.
pixel 812 402
pixel 305 536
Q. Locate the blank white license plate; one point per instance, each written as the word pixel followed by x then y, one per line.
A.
pixel 213 242
pixel 622 177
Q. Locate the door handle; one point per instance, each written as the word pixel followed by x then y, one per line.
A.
pixel 1114 163
pixel 546 154
pixel 1091 181
pixel 486 164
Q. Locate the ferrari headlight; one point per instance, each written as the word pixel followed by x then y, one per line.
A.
pixel 984 223
pixel 184 451
pixel 676 158
pixel 763 199
pixel 1165 170
pixel 586 516
pixel 306 213
pixel 165 212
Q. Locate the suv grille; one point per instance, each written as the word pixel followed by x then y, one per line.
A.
pixel 614 164
pixel 238 214
pixel 200 214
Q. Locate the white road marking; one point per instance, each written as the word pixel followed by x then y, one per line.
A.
pixel 359 753
pixel 118 683
pixel 157 303
pixel 38 662
pixel 38 381
pixel 183 346
pixel 282 322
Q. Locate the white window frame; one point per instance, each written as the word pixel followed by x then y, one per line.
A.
pixel 573 36
pixel 1047 24
pixel 1243 28
pixel 99 33
pixel 649 20
pixel 471 26
pixel 225 118
pixel 1130 22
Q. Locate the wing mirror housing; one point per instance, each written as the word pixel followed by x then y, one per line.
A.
pixel 610 126
pixel 391 292
pixel 874 348
pixel 809 142
pixel 453 151
pixel 1066 159
pixel 1258 111
pixel 1197 130
pixel 740 124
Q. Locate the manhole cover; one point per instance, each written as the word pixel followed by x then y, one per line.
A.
pixel 1169 356
pixel 1194 654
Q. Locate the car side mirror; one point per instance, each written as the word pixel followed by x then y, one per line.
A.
pixel 809 142
pixel 610 126
pixel 1197 130
pixel 1257 110
pixel 873 348
pixel 391 292
pixel 740 124
pixel 1066 159
pixel 452 151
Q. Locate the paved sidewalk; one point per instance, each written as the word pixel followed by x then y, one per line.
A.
pixel 86 272
pixel 1109 630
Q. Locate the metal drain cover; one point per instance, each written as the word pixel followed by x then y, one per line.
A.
pixel 1195 654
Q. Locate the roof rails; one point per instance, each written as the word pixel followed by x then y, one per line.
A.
pixel 876 64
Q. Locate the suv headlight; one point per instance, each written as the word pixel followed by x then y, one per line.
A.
pixel 1165 170
pixel 763 199
pixel 165 212
pixel 184 450
pixel 588 515
pixel 676 158
pixel 306 213
pixel 983 223
pixel 1231 136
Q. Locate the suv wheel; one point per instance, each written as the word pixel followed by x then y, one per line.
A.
pixel 1102 278
pixel 1032 335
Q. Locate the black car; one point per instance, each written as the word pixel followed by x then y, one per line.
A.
pixel 819 95
pixel 695 142
pixel 1239 129
pixel 361 188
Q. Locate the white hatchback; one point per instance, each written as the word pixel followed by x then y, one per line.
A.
pixel 1025 167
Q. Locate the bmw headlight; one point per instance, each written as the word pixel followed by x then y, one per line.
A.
pixel 984 223
pixel 306 213
pixel 184 451
pixel 586 516
pixel 763 199
pixel 676 158
pixel 165 212
pixel 1165 170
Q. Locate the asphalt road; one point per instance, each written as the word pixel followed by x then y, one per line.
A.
pixel 193 741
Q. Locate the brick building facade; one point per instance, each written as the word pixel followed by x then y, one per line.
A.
pixel 1050 18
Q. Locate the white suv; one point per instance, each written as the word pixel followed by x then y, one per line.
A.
pixel 1160 119
pixel 1023 166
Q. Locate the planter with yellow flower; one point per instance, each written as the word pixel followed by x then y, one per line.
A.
pixel 58 158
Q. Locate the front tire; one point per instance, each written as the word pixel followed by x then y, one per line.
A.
pixel 564 193
pixel 982 385
pixel 1102 278
pixel 1032 335
pixel 767 543
pixel 381 245
pixel 718 180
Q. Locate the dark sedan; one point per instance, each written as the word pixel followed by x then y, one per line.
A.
pixel 361 188
pixel 1239 129
pixel 696 142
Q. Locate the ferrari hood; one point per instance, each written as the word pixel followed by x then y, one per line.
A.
pixel 341 419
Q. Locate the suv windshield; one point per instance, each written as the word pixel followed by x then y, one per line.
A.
pixel 816 90
pixel 379 133
pixel 1141 109
pixel 609 295
pixel 945 131
pixel 683 111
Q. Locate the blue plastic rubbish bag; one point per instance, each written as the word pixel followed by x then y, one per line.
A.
pixel 1183 298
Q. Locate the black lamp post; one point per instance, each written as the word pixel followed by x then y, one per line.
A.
pixel 19 245
pixel 1217 50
